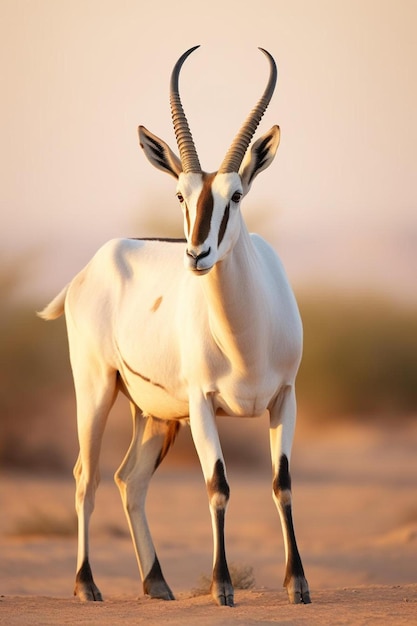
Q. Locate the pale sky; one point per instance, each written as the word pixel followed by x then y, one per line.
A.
pixel 339 202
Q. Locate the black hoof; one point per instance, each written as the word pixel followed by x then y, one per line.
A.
pixel 158 591
pixel 154 584
pixel 223 594
pixel 298 592
pixel 85 587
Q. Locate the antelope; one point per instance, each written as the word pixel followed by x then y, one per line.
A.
pixel 220 336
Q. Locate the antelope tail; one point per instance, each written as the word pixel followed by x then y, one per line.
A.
pixel 55 308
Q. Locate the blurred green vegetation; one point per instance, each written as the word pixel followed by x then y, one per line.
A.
pixel 360 357
pixel 360 360
pixel 34 374
pixel 34 378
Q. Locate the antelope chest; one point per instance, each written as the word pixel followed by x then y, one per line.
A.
pixel 244 396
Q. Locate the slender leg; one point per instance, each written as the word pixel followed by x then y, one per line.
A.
pixel 150 442
pixel 282 424
pixel 206 441
pixel 95 394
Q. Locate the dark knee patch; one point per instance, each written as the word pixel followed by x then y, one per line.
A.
pixel 218 486
pixel 282 482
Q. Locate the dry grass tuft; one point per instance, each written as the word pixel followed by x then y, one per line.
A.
pixel 242 578
pixel 42 524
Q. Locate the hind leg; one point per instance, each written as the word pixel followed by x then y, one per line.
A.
pixel 95 392
pixel 282 424
pixel 150 442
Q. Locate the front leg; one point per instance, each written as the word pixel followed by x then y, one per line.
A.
pixel 282 424
pixel 207 443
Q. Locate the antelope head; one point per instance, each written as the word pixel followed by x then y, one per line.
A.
pixel 211 202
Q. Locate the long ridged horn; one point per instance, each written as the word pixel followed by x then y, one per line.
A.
pixel 186 147
pixel 237 150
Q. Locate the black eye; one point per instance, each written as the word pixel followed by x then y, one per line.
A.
pixel 180 197
pixel 236 197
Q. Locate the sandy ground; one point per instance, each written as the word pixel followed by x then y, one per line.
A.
pixel 355 512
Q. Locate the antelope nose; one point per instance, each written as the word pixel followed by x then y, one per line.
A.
pixel 196 256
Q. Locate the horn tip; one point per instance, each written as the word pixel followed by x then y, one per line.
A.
pixel 271 60
pixel 268 54
pixel 192 49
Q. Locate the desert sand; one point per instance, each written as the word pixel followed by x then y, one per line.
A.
pixel 355 513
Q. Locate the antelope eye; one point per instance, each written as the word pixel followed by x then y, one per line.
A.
pixel 180 197
pixel 236 197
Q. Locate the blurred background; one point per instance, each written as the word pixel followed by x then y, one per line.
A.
pixel 339 203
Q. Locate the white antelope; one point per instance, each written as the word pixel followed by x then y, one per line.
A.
pixel 221 337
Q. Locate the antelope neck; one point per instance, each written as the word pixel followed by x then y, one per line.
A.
pixel 234 316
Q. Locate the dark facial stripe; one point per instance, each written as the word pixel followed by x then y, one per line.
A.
pixel 187 217
pixel 205 205
pixel 223 225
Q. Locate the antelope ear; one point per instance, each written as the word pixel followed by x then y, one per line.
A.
pixel 259 157
pixel 159 153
